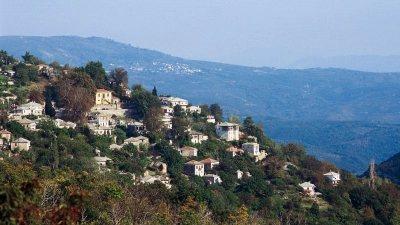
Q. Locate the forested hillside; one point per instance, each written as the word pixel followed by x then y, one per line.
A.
pixel 64 171
pixel 277 98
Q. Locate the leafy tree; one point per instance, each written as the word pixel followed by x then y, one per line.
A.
pixel 76 93
pixel 97 73
pixel 248 121
pixel 6 59
pixel 120 76
pixel 205 111
pixel 36 96
pixel 120 134
pixel 144 100
pixel 234 119
pixel 16 129
pixel 216 111
pixel 153 119
pixel 28 58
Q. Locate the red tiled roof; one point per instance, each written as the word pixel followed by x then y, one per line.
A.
pixel 5 132
pixel 103 90
pixel 206 160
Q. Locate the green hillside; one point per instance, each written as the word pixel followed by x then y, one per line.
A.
pixel 313 96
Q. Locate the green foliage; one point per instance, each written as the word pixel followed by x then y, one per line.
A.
pixel 48 108
pixel 234 119
pixel 144 100
pixel 172 157
pixel 216 111
pixel 97 73
pixel 16 129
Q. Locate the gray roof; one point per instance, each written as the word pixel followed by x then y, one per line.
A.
pixel 21 140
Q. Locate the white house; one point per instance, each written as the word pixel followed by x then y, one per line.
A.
pixel 100 130
pixel 240 173
pixel 31 108
pixel 193 109
pixel 61 124
pixel 194 167
pixel 167 120
pixel 210 119
pixel 228 131
pixel 101 160
pixel 213 179
pixel 168 111
pixel 334 177
pixel 308 188
pixel 252 148
pixel 137 140
pixel 173 101
pixel 197 137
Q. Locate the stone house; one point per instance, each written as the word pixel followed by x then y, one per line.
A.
pixel 188 151
pixel 21 144
pixel 194 167
pixel 209 164
pixel 28 124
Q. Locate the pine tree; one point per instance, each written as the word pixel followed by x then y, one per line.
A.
pixel 154 92
pixel 48 108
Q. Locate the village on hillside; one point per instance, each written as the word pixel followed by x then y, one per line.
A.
pixel 83 122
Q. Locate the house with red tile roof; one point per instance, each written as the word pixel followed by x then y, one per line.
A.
pixel 209 163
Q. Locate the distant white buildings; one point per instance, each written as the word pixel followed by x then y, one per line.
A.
pixel 193 109
pixel 31 108
pixel 228 131
pixel 308 188
pixel 173 101
pixel 334 177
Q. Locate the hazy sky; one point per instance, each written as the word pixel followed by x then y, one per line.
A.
pixel 209 29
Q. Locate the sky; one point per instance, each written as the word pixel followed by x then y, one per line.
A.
pixel 218 30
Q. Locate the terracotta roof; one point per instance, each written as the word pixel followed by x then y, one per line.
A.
pixel 5 132
pixel 209 160
pixel 103 90
pixel 187 148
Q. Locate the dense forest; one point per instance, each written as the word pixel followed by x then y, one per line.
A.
pixel 58 181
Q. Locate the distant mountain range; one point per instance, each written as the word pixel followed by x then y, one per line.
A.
pixel 283 58
pixel 294 105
